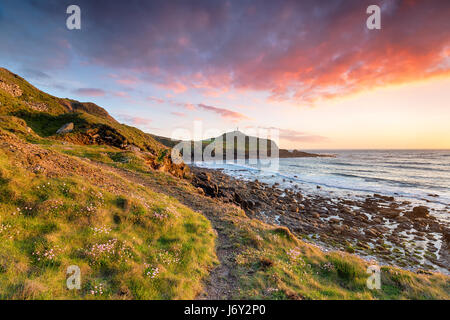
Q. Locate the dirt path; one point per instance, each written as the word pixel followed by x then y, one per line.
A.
pixel 222 283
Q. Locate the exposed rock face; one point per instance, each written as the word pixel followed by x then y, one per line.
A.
pixel 203 181
pixel 133 148
pixel 68 127
pixel 66 104
pixel 419 212
pixel 12 89
pixel 41 107
pixel 106 135
pixel 167 165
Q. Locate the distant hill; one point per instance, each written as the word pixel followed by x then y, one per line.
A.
pixel 240 150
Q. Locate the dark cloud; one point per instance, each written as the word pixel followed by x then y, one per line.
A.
pixel 301 50
pixel 90 92
pixel 35 74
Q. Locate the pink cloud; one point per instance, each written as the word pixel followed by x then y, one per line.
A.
pixel 224 113
pixel 121 94
pixel 176 87
pixel 178 114
pixel 135 120
pixel 189 106
pixel 298 136
pixel 155 99
pixel 127 81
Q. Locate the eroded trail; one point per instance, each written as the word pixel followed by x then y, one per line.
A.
pixel 222 283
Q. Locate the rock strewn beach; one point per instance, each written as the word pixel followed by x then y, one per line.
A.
pixel 379 227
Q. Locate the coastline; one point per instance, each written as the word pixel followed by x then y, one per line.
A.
pixel 380 228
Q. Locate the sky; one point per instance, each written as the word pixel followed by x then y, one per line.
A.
pixel 311 69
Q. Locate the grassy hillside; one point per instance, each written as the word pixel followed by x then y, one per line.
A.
pixel 45 114
pixel 140 233
pixel 57 211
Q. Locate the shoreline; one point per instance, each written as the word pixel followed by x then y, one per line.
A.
pixel 377 228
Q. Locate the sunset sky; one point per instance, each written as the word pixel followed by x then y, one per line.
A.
pixel 310 68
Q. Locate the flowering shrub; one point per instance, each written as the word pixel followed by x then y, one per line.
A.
pixel 112 250
pixel 52 206
pixel 150 271
pixel 294 253
pixel 167 258
pixel 4 228
pixel 43 186
pixel 327 267
pixel 65 189
pixel 101 230
pixel 97 197
pixel 7 231
pixel 89 209
pixel 18 211
pixel 27 210
pixel 97 289
pixel 299 263
pixel 271 290
pixel 173 211
pixel 160 215
pixel 46 256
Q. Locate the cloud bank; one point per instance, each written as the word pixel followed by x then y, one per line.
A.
pixel 293 50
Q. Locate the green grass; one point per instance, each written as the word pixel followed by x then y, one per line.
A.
pixel 74 219
pixel 30 95
pixel 274 264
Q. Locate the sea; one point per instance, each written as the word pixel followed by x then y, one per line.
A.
pixel 421 177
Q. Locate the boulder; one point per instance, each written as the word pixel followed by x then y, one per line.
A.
pixel 446 236
pixel 315 215
pixel 133 148
pixel 68 127
pixel 419 212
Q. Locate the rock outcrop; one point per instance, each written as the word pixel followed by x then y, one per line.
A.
pixel 68 127
pixel 418 212
pixel 12 89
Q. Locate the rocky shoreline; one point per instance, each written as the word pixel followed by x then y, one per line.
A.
pixel 377 228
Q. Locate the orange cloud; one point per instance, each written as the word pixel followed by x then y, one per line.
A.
pixel 224 113
pixel 135 120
